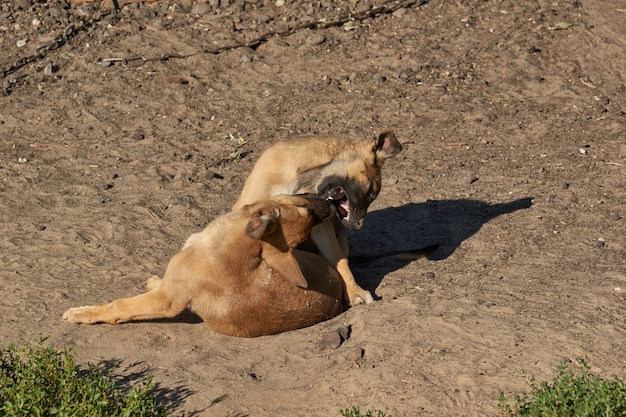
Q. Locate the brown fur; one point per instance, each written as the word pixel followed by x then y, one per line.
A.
pixel 241 275
pixel 317 165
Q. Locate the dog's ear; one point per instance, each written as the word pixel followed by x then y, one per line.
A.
pixel 386 146
pixel 285 264
pixel 262 223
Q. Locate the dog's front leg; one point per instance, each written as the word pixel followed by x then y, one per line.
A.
pixel 154 304
pixel 324 237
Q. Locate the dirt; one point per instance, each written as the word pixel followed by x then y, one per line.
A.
pixel 512 115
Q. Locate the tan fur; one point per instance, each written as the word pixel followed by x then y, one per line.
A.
pixel 308 165
pixel 241 275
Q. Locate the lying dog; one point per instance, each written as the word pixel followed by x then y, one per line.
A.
pixel 346 172
pixel 241 275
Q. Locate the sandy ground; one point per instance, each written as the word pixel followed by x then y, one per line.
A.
pixel 512 115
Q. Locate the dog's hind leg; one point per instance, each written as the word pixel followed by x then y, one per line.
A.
pixel 154 304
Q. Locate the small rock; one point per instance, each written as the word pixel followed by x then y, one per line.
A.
pixel 211 175
pixel 399 13
pixel 200 9
pixel 378 77
pixel 263 18
pixel 245 59
pixel 355 355
pixel 331 341
pixel 315 40
pixel 49 69
pixel 429 275
pixel 190 349
pixel 363 6
pixel 344 332
pixel 334 339
pixel 138 136
pixel 279 3
pixel 469 179
pixel 24 4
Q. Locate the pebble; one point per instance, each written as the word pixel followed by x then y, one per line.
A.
pixel 469 179
pixel 331 341
pixel 200 9
pixel 399 13
pixel 335 338
pixel 378 77
pixel 355 355
pixel 24 4
pixel 49 69
pixel 363 6
pixel 315 40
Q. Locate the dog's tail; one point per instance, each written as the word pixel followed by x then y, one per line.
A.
pixel 401 255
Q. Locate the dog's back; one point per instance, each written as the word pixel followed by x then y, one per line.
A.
pixel 276 305
pixel 298 166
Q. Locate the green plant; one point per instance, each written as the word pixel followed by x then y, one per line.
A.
pixel 569 395
pixel 355 412
pixel 39 380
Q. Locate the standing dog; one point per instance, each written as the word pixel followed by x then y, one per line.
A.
pixel 241 275
pixel 346 172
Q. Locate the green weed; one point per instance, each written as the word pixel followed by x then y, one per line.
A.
pixel 569 395
pixel 39 380
pixel 355 412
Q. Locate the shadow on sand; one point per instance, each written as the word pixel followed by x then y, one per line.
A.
pixel 168 397
pixel 440 225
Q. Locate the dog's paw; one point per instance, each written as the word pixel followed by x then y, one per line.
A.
pixel 79 315
pixel 153 282
pixel 361 297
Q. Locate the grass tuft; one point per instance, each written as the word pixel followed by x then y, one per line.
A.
pixel 570 394
pixel 355 412
pixel 38 380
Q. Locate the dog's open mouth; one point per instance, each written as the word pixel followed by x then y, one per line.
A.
pixel 337 196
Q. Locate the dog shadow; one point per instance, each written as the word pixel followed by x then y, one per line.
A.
pixel 437 226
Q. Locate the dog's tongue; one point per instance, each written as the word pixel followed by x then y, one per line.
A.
pixel 344 210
